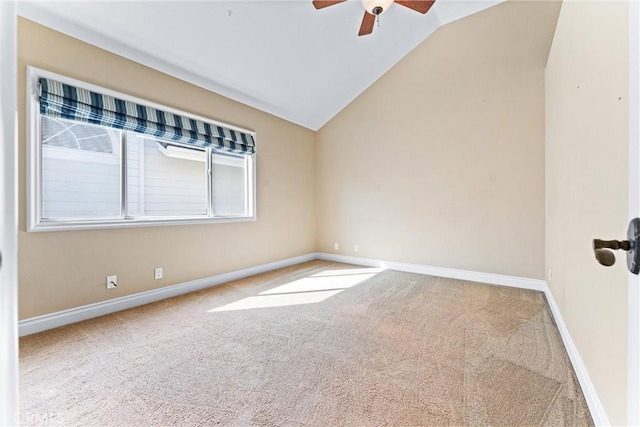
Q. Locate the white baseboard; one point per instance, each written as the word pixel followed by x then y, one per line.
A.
pixel 596 408
pixel 65 317
pixel 77 314
pixel 472 276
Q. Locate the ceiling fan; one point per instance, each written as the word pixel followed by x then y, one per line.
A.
pixel 373 9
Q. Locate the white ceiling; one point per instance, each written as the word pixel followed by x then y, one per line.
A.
pixel 283 57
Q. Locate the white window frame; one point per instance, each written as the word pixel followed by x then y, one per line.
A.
pixel 35 223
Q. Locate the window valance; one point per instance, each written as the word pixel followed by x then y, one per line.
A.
pixel 69 102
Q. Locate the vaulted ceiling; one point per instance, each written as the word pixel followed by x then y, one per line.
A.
pixel 283 57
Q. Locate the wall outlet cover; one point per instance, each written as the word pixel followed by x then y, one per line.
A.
pixel 112 282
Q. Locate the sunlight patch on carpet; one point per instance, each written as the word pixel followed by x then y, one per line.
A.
pixel 308 290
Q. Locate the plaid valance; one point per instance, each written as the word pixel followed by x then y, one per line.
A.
pixel 74 103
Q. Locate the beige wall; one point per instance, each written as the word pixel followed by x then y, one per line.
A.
pixel 586 186
pixel 59 270
pixel 441 161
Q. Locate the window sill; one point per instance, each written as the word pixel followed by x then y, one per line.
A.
pixel 97 225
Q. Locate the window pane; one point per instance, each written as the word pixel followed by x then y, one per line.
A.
pixel 229 185
pixel 164 179
pixel 80 170
pixel 70 134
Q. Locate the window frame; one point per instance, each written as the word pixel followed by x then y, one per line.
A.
pixel 35 222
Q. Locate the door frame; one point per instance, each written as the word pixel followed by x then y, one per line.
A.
pixel 633 286
pixel 8 216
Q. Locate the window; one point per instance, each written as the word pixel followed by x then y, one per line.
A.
pixel 164 180
pixel 80 170
pixel 92 171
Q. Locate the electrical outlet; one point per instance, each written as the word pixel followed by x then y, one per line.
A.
pixel 157 273
pixel 112 282
pixel 355 248
pixel 336 247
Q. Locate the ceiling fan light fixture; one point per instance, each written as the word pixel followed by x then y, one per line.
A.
pixel 376 7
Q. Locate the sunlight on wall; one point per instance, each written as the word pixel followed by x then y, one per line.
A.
pixel 309 290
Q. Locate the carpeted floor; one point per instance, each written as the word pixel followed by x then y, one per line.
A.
pixel 318 344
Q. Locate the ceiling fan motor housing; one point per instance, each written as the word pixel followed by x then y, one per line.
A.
pixel 376 7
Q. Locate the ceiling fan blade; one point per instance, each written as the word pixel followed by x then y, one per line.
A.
pixel 319 4
pixel 421 6
pixel 367 24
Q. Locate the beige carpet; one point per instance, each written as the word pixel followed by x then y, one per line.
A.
pixel 319 344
